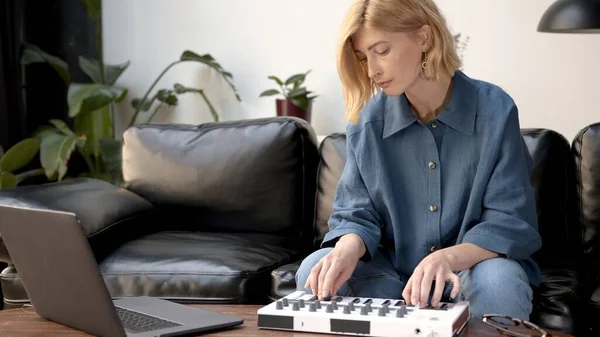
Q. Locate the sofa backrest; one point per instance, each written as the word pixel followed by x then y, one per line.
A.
pixel 253 175
pixel 552 179
pixel 586 151
pixel 332 153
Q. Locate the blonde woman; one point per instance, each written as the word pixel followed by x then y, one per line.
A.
pixel 435 202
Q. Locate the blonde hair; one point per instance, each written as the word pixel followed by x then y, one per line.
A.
pixel 394 16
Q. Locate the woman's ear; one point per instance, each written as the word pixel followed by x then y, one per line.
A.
pixel 425 37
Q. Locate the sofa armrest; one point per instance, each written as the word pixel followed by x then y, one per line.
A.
pixel 101 208
pixel 283 280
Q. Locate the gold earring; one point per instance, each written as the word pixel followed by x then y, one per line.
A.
pixel 424 64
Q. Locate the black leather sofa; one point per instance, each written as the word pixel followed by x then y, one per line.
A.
pixel 224 212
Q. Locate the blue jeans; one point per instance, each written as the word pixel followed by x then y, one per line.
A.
pixel 497 285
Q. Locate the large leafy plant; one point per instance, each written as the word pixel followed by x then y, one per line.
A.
pixel 91 109
pixel 292 89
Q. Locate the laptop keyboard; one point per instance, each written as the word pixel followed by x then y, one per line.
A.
pixel 136 322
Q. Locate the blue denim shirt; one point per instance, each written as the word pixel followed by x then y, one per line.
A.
pixel 408 189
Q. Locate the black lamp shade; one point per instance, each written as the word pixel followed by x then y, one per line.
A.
pixel 571 16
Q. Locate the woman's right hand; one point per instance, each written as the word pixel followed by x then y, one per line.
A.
pixel 335 268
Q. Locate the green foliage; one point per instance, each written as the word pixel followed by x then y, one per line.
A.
pixel 291 89
pixel 16 158
pixel 169 96
pixel 91 111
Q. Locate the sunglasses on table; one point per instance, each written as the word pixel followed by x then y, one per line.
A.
pixel 514 327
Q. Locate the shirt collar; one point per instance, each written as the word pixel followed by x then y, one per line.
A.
pixel 458 114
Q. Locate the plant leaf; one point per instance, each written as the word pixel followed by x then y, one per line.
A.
pixel 19 155
pixel 90 97
pixel 167 97
pixel 95 125
pixel 33 54
pixel 7 180
pixel 297 93
pixel 276 79
pixel 208 60
pixel 55 152
pixel 43 131
pixel 270 92
pixel 94 8
pixel 1 152
pixel 298 78
pixel 301 102
pixel 112 156
pixel 113 72
pixel 62 126
pixel 91 68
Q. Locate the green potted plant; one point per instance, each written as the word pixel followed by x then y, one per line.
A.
pixel 297 101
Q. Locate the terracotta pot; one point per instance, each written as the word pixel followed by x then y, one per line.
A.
pixel 287 108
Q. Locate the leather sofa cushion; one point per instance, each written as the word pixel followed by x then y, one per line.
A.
pixel 108 216
pixel 254 175
pixel 595 298
pixel 594 309
pixel 586 150
pixel 283 280
pixel 553 180
pixel 199 267
pixel 556 302
pixel 332 153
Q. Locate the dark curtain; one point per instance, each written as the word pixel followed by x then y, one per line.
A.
pixel 12 111
pixel 32 95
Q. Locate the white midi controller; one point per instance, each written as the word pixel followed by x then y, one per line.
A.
pixel 301 311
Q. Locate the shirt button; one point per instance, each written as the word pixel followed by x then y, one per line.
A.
pixel 432 165
pixel 434 125
pixel 432 249
pixel 432 208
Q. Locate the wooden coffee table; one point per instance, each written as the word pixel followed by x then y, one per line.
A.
pixel 26 323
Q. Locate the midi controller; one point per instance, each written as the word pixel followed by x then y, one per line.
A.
pixel 301 311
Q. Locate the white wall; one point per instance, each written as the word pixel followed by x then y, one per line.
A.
pixel 553 78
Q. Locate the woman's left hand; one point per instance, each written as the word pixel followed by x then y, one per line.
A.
pixel 436 267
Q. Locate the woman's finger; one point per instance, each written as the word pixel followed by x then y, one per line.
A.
pixel 313 278
pixel 455 286
pixel 330 278
pixel 322 274
pixel 440 283
pixel 417 277
pixel 426 286
pixel 407 292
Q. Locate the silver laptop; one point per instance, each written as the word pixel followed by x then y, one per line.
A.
pixel 64 284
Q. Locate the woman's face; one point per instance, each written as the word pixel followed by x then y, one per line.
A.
pixel 393 60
